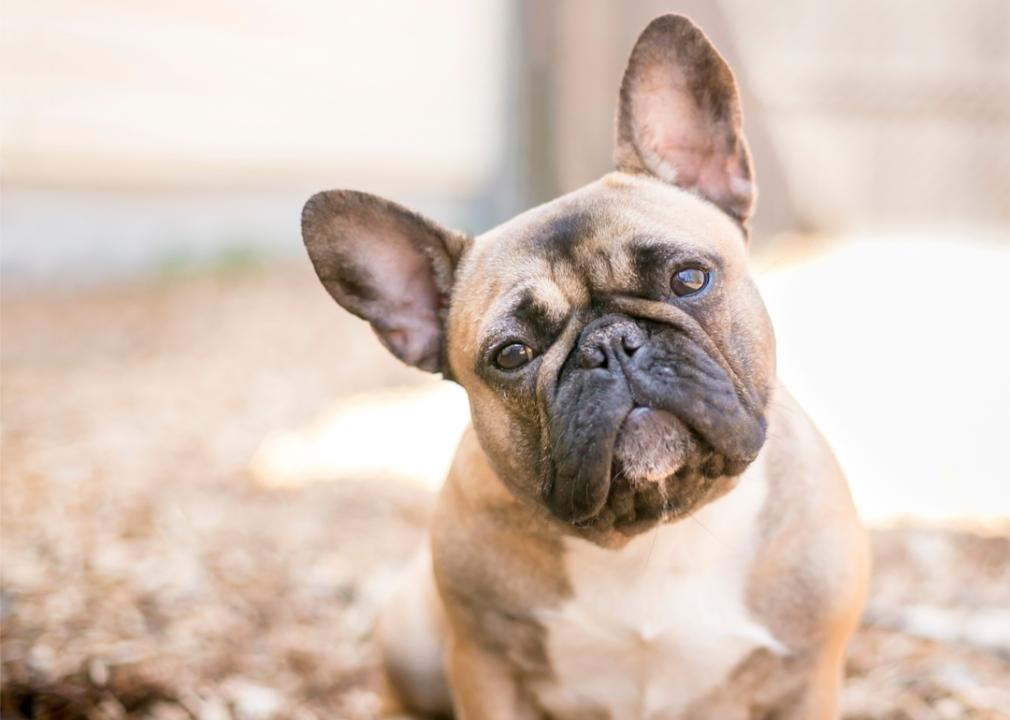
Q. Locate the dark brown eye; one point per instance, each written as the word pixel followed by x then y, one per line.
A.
pixel 513 356
pixel 689 280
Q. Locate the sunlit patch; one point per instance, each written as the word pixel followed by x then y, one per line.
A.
pixel 906 374
pixel 398 433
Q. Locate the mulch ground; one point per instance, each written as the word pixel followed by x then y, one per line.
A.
pixel 146 574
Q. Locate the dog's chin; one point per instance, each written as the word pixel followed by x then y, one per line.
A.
pixel 652 445
pixel 661 471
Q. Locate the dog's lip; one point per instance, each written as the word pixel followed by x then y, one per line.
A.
pixel 642 427
pixel 640 413
pixel 640 410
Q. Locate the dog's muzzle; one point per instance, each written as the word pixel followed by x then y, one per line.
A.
pixel 636 406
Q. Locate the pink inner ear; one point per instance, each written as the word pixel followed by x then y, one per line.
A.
pixel 412 327
pixel 670 129
pixel 684 145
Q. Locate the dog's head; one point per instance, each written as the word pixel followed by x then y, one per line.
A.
pixel 616 353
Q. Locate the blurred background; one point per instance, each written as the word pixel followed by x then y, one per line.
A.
pixel 211 475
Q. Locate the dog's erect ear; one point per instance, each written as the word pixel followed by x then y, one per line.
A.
pixel 388 265
pixel 679 116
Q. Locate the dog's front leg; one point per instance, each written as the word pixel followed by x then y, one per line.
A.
pixel 821 699
pixel 822 688
pixel 484 687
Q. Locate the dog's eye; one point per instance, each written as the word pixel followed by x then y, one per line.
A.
pixel 513 356
pixel 689 280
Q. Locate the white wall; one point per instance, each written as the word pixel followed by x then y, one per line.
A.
pixel 145 134
pixel 226 93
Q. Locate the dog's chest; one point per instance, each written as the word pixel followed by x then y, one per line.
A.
pixel 661 622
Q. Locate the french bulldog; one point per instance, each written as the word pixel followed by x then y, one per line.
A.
pixel 640 522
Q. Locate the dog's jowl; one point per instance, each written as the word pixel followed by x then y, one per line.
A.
pixel 641 522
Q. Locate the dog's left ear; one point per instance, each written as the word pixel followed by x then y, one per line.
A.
pixel 388 265
pixel 679 116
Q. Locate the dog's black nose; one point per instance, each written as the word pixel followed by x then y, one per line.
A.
pixel 606 340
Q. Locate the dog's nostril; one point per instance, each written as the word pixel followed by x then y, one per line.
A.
pixel 592 357
pixel 632 342
pixel 631 345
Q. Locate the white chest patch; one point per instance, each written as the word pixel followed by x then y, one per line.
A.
pixel 660 622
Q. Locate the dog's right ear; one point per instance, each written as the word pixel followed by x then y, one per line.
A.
pixel 387 265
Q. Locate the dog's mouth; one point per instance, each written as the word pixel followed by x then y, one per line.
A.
pixel 661 470
pixel 652 444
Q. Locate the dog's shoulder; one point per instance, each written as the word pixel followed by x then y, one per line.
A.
pixel 814 551
pixel 493 561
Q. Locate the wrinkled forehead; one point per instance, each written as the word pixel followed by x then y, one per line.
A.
pixel 603 239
